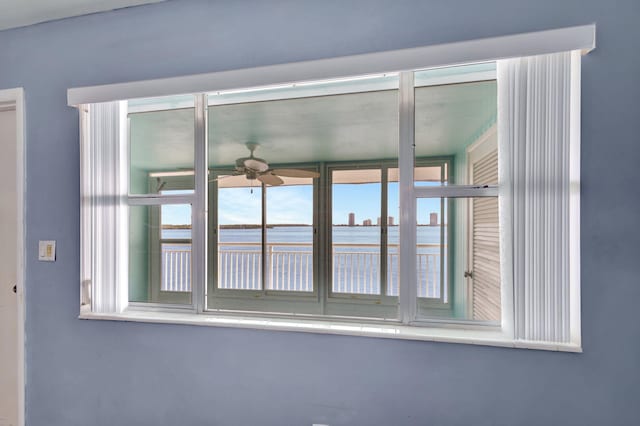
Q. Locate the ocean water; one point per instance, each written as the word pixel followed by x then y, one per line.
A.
pixel 304 235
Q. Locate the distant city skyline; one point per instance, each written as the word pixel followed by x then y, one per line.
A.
pixel 369 222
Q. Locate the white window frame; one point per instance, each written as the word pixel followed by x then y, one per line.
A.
pixel 567 39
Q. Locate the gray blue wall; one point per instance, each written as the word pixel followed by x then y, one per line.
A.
pixel 109 373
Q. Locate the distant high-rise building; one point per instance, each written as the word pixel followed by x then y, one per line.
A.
pixel 366 222
pixel 390 222
pixel 379 222
pixel 352 219
pixel 433 219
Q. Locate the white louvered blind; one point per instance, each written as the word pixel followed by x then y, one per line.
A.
pixel 486 243
pixel 538 100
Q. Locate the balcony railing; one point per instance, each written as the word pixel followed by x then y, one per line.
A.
pixel 176 267
pixel 356 268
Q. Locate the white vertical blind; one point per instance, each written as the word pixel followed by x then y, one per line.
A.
pixel 103 192
pixel 535 97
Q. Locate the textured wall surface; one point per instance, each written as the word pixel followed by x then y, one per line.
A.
pixel 109 373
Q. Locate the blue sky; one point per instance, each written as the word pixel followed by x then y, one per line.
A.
pixel 294 204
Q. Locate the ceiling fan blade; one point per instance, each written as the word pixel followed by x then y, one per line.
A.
pixel 296 173
pixel 270 179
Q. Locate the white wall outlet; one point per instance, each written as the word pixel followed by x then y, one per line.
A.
pixel 47 251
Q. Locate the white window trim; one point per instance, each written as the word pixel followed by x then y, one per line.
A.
pixel 580 38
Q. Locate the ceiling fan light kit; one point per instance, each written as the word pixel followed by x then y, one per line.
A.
pixel 257 168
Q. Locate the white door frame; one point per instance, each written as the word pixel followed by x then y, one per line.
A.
pixel 15 98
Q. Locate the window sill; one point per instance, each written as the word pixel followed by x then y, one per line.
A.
pixel 389 331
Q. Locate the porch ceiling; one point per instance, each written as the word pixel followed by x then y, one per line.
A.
pixel 347 127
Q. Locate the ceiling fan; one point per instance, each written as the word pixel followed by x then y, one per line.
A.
pixel 257 168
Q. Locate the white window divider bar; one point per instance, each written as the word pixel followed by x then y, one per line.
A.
pixel 458 79
pixel 456 191
pixel 406 159
pixel 486 49
pixel 367 83
pixel 157 200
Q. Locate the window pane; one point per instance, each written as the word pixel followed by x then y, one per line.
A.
pixel 435 76
pixel 160 254
pixel 423 175
pixel 289 246
pixel 161 144
pixel 239 231
pixel 308 130
pixel 356 201
pixel 431 175
pixel 451 118
pixel 393 233
pixel 262 133
pixel 455 122
pixel 431 248
pixel 466 262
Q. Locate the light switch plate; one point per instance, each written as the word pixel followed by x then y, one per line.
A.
pixel 47 251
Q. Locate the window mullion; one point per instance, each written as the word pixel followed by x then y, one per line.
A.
pixel 384 230
pixel 263 238
pixel 406 158
pixel 200 204
pixel 456 191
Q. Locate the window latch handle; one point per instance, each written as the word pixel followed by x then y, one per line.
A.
pixel 468 274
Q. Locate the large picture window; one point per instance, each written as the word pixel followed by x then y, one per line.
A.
pixel 304 202
pixel 402 199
